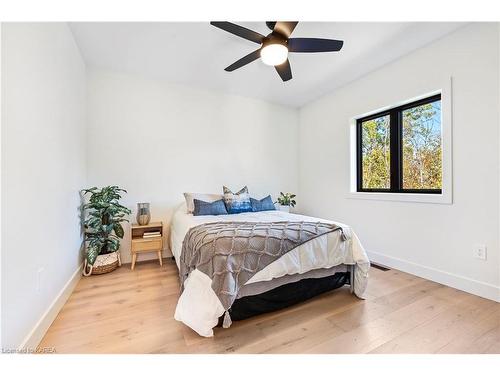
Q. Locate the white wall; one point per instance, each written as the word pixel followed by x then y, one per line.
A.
pixel 158 140
pixel 432 240
pixel 43 168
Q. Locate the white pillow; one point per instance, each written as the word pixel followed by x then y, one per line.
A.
pixel 206 197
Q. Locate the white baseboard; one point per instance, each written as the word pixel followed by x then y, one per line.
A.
pixel 34 338
pixel 479 288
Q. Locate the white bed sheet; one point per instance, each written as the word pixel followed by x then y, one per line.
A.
pixel 198 306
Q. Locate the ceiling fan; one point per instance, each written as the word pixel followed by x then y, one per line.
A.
pixel 275 46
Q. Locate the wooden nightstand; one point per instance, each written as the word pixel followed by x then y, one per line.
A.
pixel 141 243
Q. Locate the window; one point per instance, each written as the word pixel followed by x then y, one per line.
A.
pixel 400 150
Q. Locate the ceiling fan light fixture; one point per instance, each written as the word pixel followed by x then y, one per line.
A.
pixel 274 54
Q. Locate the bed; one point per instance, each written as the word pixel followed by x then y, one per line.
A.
pixel 318 265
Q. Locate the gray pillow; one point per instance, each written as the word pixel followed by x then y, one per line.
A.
pixel 265 204
pixel 209 208
pixel 206 197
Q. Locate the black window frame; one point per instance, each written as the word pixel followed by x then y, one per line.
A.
pixel 396 149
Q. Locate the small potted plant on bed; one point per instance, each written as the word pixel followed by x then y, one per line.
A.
pixel 285 201
pixel 103 229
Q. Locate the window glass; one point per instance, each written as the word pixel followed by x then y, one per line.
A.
pixel 421 146
pixel 376 153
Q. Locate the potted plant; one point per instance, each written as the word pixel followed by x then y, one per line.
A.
pixel 285 201
pixel 103 229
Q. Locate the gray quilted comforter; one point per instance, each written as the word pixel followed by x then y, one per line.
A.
pixel 231 253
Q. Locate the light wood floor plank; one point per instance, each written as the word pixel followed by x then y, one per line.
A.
pixel 132 312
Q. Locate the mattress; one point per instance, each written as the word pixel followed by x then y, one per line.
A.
pixel 198 306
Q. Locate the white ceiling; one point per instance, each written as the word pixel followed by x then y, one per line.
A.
pixel 196 54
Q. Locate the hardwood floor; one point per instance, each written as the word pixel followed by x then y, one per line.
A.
pixel 132 312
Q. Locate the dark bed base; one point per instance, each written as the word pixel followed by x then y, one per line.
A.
pixel 285 295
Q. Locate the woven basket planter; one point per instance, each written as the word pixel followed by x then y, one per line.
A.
pixel 103 264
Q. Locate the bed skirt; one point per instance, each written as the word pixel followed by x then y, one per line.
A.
pixel 285 296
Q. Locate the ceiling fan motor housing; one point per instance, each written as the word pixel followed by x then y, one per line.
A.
pixel 274 38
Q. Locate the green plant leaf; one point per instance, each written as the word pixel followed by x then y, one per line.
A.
pixel 87 191
pixel 119 230
pixel 113 244
pixel 92 253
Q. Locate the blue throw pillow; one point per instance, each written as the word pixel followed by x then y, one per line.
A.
pixel 265 204
pixel 237 202
pixel 209 208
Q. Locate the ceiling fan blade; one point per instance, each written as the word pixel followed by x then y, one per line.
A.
pixel 285 28
pixel 244 60
pixel 314 45
pixel 284 71
pixel 240 31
